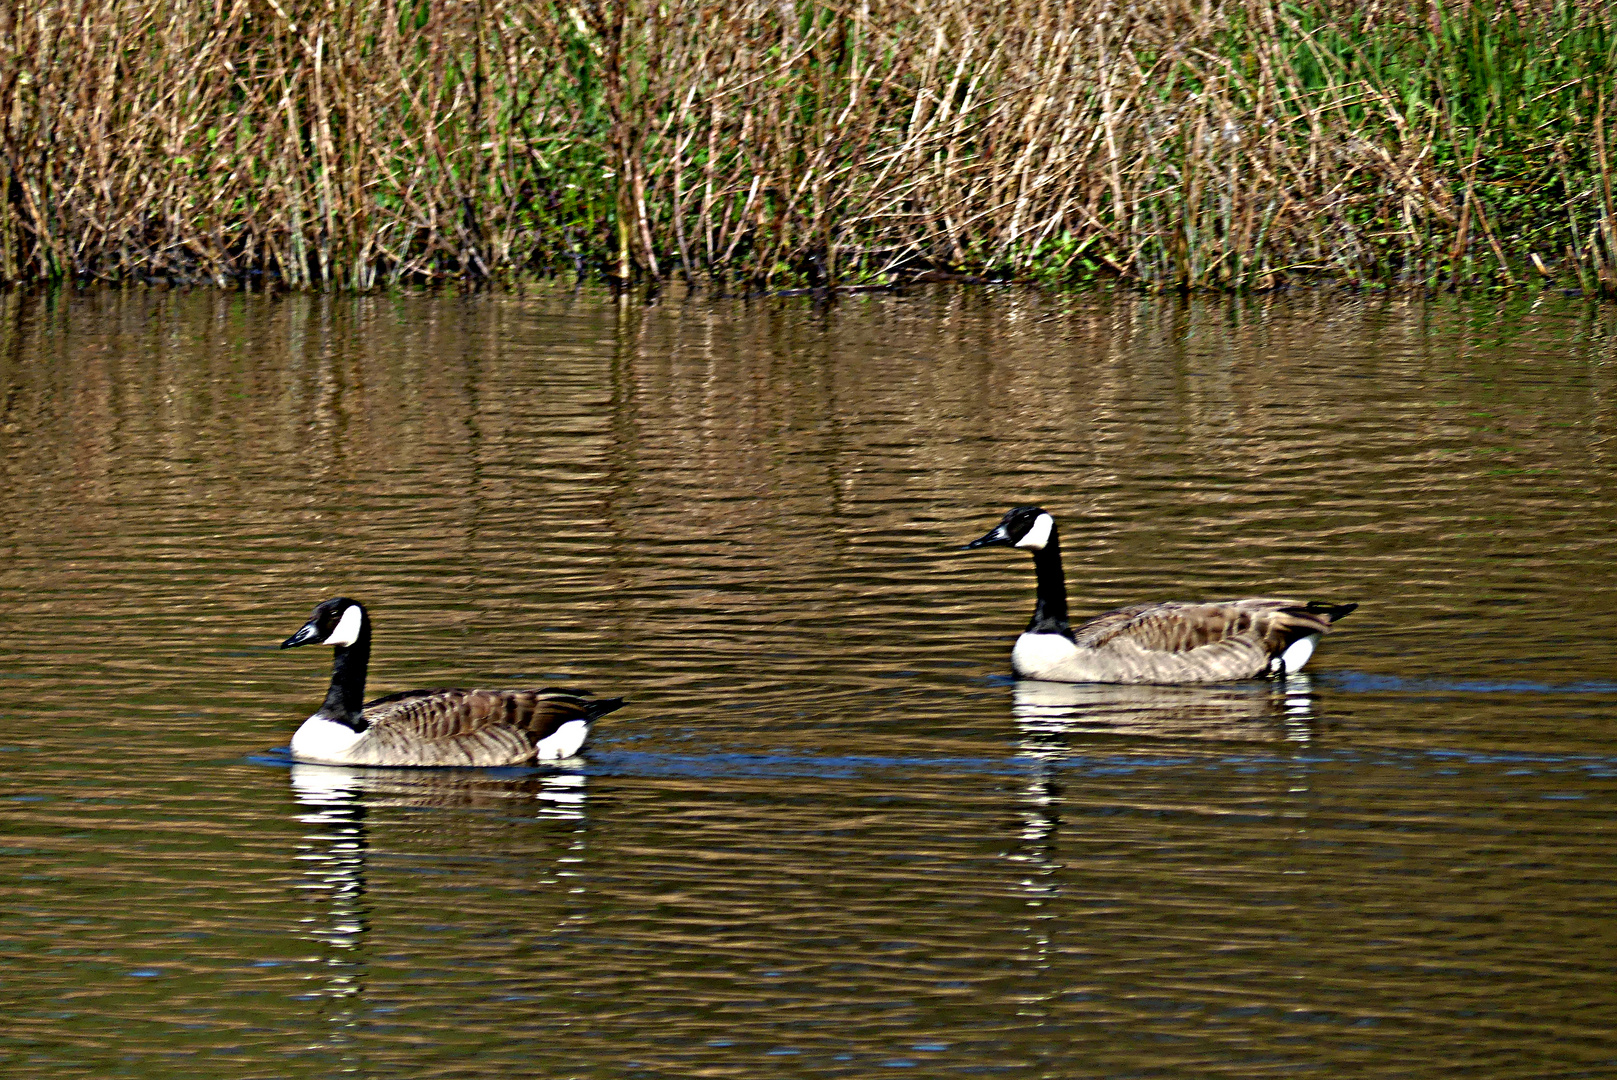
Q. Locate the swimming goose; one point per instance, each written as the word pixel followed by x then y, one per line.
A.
pixel 1170 642
pixel 429 727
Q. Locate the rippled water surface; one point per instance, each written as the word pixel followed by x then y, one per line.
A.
pixel 829 836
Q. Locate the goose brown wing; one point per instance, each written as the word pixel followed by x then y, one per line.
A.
pixel 469 727
pixel 1178 627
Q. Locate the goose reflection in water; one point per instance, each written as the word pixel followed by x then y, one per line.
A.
pixel 1280 709
pixel 333 854
pixel 521 793
pixel 1047 713
pixel 333 802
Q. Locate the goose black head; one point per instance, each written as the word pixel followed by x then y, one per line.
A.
pixel 338 621
pixel 1022 526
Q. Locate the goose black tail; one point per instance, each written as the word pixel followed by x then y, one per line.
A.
pixel 1331 611
pixel 601 706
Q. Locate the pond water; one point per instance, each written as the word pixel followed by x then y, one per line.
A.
pixel 829 836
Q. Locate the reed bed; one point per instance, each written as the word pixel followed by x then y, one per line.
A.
pixel 768 144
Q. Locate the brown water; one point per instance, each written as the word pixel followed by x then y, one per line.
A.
pixel 829 836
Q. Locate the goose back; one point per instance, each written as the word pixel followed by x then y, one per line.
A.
pixel 468 727
pixel 1176 642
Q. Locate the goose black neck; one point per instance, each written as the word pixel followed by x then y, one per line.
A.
pixel 345 701
pixel 1050 612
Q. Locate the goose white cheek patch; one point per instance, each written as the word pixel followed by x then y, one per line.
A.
pixel 1039 535
pixel 347 631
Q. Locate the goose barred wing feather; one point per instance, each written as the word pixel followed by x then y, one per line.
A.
pixel 468 727
pixel 1178 626
pixel 1198 642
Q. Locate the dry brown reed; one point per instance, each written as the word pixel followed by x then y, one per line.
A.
pixel 769 143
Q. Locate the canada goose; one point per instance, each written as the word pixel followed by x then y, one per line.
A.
pixel 429 727
pixel 1170 642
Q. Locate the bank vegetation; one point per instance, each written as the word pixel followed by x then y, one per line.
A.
pixel 750 145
